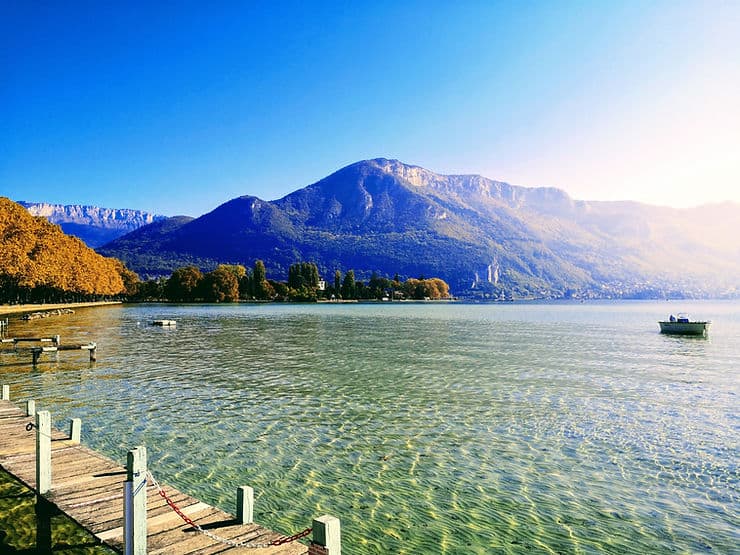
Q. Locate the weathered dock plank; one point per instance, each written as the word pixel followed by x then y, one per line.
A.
pixel 88 487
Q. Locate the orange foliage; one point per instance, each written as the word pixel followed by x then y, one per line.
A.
pixel 37 254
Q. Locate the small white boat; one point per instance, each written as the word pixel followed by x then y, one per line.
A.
pixel 164 323
pixel 683 325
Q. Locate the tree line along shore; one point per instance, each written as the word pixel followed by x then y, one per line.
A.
pixel 233 282
pixel 41 265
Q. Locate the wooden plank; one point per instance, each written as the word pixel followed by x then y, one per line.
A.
pixel 88 487
pixel 156 521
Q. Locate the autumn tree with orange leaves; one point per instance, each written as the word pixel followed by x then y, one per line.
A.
pixel 39 262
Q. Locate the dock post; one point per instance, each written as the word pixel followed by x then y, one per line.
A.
pixel 43 451
pixel 35 353
pixel 134 536
pixel 75 430
pixel 93 353
pixel 327 537
pixel 57 340
pixel 245 504
pixel 45 510
pixel 6 393
pixel 30 407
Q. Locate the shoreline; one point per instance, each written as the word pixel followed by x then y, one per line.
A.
pixel 24 308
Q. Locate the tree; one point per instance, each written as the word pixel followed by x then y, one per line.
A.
pixel 39 262
pixel 295 277
pixel 221 285
pixel 131 281
pixel 277 289
pixel 152 290
pixel 303 281
pixel 348 285
pixel 246 288
pixel 433 288
pixel 184 284
pixel 337 283
pixel 262 289
pixel 378 286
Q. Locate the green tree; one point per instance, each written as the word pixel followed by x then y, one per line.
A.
pixel 184 284
pixel 278 289
pixel 295 276
pixel 221 285
pixel 303 281
pixel 262 289
pixel 378 286
pixel 246 287
pixel 337 283
pixel 152 290
pixel 348 285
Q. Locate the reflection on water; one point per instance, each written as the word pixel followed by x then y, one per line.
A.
pixel 425 428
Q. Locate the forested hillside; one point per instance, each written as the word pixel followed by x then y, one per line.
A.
pixel 39 262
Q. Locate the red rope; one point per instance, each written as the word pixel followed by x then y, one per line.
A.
pixel 188 520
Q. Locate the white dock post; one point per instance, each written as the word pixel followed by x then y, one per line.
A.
pixel 128 518
pixel 135 535
pixel 6 393
pixel 245 504
pixel 43 451
pixel 75 430
pixel 57 340
pixel 327 534
pixel 93 353
pixel 30 407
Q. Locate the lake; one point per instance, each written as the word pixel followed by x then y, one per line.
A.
pixel 426 428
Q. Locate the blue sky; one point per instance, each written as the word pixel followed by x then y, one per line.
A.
pixel 177 107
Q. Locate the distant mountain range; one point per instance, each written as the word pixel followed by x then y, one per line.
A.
pixel 94 225
pixel 484 237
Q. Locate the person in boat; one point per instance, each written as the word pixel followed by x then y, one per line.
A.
pixel 672 318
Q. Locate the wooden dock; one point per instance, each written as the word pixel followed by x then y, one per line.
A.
pixel 15 340
pixel 55 347
pixel 88 487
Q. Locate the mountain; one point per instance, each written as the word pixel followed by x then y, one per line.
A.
pixel 94 225
pixel 143 249
pixel 480 235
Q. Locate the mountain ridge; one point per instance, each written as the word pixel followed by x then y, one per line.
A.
pixel 387 217
pixel 95 225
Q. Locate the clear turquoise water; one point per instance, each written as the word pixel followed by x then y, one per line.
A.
pixel 426 428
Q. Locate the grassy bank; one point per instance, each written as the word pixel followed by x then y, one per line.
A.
pixel 20 531
pixel 25 308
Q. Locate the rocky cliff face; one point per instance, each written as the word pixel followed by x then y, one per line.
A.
pixel 93 224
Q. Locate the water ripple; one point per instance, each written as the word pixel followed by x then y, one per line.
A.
pixel 426 428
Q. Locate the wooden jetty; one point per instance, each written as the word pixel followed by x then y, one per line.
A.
pixel 125 507
pixel 56 340
pixel 55 347
pixel 92 348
